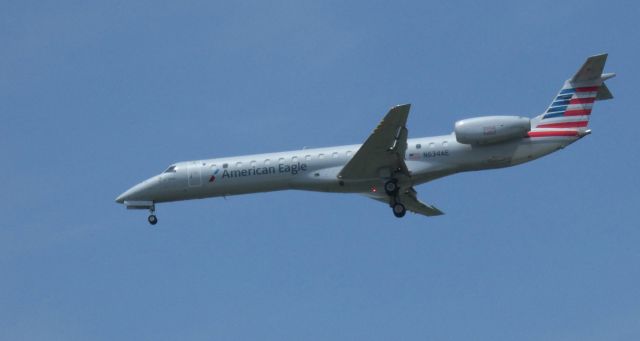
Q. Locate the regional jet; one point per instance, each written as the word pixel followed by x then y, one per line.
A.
pixel 388 165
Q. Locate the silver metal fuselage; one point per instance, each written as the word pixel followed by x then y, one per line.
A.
pixel 388 165
pixel 317 169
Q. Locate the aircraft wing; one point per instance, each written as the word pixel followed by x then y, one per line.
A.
pixel 409 199
pixel 384 149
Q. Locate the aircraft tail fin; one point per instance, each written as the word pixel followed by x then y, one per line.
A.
pixel 569 112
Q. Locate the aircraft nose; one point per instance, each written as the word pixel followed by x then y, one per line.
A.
pixel 140 191
pixel 120 198
pixel 128 194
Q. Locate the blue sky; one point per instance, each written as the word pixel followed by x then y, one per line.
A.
pixel 95 97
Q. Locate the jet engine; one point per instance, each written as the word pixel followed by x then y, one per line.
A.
pixel 491 129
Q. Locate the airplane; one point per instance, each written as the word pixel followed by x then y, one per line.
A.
pixel 388 165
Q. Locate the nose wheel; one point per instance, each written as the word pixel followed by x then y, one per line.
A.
pixel 152 217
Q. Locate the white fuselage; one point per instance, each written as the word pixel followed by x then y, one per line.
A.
pixel 317 169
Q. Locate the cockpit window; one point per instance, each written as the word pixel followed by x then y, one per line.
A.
pixel 171 169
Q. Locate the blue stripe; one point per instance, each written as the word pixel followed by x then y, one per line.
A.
pixel 558 114
pixel 554 109
pixel 567 91
pixel 564 97
pixel 556 103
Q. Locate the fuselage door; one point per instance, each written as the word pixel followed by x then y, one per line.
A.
pixel 195 174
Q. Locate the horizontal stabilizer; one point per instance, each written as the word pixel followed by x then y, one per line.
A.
pixel 603 93
pixel 591 69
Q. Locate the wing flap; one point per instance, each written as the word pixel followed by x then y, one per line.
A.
pixel 410 201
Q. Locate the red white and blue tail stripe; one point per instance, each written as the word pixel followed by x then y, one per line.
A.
pixel 569 112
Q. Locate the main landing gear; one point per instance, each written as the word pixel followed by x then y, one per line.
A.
pixel 391 188
pixel 152 217
pixel 398 210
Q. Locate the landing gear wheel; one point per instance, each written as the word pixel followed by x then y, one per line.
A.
pixel 391 187
pixel 152 219
pixel 399 210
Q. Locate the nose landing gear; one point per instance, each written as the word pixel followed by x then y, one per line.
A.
pixel 152 217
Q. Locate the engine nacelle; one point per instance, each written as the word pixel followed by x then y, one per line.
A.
pixel 491 129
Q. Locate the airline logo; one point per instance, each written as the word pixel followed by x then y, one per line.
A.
pixel 572 102
pixel 569 111
pixel 213 176
pixel 293 169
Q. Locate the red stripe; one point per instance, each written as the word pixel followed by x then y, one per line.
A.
pixel 576 124
pixel 577 112
pixel 587 89
pixel 582 100
pixel 553 133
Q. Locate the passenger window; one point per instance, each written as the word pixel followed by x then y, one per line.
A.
pixel 281 160
pixel 253 163
pixel 267 162
pixel 349 153
pixel 418 146
pixel 334 155
pixel 294 159
pixel 307 157
pixel 321 156
pixel 239 165
pixel 225 165
pixel 445 143
pixel 432 145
